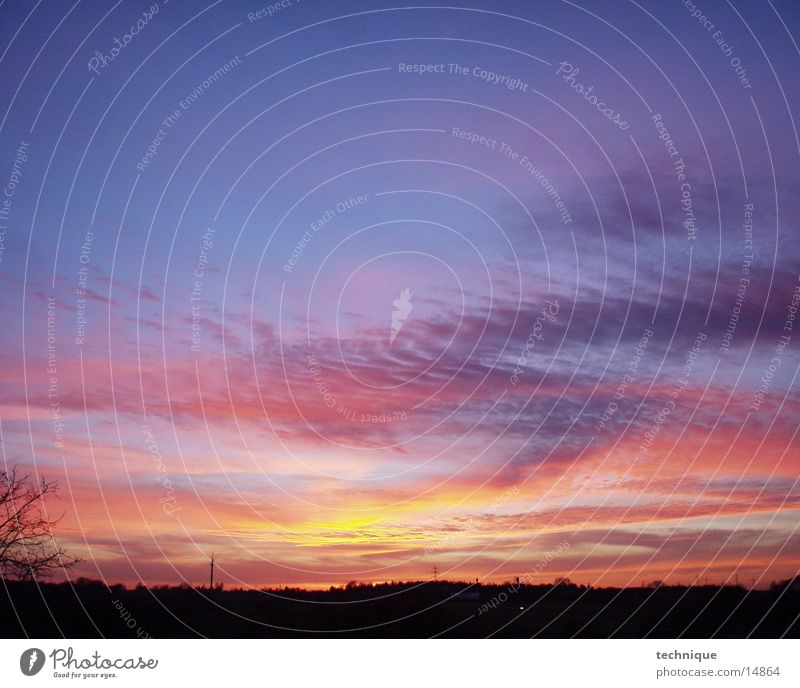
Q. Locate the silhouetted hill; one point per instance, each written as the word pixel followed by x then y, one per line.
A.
pixel 89 609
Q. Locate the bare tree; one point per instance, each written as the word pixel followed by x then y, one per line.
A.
pixel 27 548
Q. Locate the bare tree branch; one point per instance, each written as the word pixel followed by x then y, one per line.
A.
pixel 28 550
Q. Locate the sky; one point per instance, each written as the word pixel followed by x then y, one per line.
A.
pixel 349 291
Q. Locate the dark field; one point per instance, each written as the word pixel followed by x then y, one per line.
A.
pixel 90 609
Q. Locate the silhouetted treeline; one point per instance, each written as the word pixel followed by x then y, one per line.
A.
pixel 90 609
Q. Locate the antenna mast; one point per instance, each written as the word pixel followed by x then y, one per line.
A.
pixel 211 584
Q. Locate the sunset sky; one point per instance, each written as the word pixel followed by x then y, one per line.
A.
pixel 206 234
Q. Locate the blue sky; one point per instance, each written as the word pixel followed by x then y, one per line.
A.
pixel 390 446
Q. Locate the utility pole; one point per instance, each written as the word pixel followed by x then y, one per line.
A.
pixel 211 583
pixel 435 573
